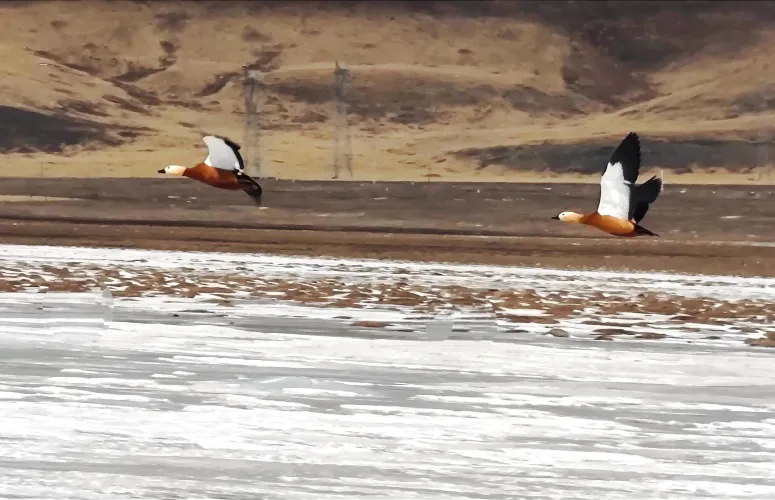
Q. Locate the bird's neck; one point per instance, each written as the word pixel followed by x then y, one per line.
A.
pixel 574 218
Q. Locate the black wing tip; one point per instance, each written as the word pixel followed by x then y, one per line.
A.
pixel 233 145
pixel 632 140
pixel 655 180
pixel 255 192
pixel 627 153
pixel 654 187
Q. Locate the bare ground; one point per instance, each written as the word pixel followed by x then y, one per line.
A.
pixel 703 229
pixel 460 91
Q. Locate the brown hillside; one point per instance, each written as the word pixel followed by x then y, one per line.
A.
pixel 499 90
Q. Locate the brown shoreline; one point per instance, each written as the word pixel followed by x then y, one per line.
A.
pixel 707 230
pixel 563 253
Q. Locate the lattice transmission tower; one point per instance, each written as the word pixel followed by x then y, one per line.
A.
pixel 342 150
pixel 764 146
pixel 252 152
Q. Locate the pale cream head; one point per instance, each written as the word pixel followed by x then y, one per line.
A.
pixel 173 170
pixel 568 217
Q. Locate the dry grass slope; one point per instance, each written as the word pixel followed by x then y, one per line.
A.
pixel 486 91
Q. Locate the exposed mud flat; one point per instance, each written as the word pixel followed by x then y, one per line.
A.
pixel 703 229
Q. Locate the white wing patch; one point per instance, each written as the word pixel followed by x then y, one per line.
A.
pixel 220 155
pixel 615 193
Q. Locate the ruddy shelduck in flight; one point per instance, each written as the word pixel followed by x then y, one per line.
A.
pixel 223 168
pixel 622 204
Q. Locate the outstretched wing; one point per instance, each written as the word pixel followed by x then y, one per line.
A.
pixel 643 196
pixel 618 178
pixel 223 154
pixel 251 187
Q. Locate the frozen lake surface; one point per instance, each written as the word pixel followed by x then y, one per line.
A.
pixel 162 398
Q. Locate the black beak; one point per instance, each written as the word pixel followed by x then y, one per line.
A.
pixel 556 217
pixel 161 171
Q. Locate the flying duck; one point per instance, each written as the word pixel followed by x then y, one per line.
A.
pixel 223 168
pixel 622 204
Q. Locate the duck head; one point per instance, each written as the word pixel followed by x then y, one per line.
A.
pixel 568 217
pixel 173 170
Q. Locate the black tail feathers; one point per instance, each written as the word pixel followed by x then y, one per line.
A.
pixel 640 230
